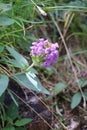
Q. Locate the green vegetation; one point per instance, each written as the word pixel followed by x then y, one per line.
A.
pixel 25 21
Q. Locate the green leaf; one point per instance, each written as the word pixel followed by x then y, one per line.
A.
pixel 1 48
pixel 3 83
pixel 22 80
pixel 59 87
pixel 5 7
pixel 8 119
pixel 36 83
pixel 76 99
pixel 13 98
pixel 18 57
pixel 12 111
pixel 82 82
pixel 13 62
pixel 23 122
pixel 30 81
pixel 20 128
pixel 5 20
pixel 2 98
pixel 9 128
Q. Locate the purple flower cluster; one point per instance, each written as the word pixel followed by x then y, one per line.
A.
pixel 46 51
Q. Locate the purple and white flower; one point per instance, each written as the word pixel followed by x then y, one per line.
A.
pixel 44 50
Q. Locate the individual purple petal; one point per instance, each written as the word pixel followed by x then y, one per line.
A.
pixel 41 40
pixel 34 49
pixel 40 51
pixel 31 47
pixel 47 57
pixel 54 46
pixel 46 64
pixel 35 43
pixel 46 42
pixel 52 57
pixel 47 50
pixel 55 60
pixel 55 53
pixel 41 44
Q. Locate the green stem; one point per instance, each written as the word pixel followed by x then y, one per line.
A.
pixel 30 67
pixel 25 71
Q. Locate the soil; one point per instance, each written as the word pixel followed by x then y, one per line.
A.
pixel 31 106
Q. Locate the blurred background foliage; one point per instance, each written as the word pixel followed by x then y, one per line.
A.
pixel 24 21
pixel 30 24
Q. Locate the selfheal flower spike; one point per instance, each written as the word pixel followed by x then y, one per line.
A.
pixel 45 51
